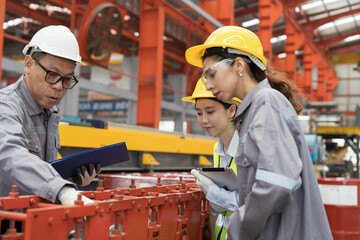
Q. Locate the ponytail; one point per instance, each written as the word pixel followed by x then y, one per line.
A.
pixel 279 81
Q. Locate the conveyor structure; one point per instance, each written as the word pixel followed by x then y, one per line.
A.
pixel 177 211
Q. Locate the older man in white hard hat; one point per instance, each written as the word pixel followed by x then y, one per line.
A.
pixel 29 134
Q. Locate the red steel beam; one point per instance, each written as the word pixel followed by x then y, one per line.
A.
pixel 353 6
pixel 294 3
pixel 269 13
pixel 60 3
pixel 317 23
pixel 293 42
pixel 320 91
pixel 2 20
pixel 222 11
pixel 16 38
pixel 246 11
pixel 347 49
pixel 329 42
pixel 331 82
pixel 225 13
pixel 20 9
pixel 151 54
pixel 177 14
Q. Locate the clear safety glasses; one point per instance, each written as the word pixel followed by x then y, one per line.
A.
pixel 218 68
pixel 215 70
pixel 53 78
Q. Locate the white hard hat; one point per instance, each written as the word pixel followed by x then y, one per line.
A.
pixel 55 40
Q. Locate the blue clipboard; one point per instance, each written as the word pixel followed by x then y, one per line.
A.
pixel 106 156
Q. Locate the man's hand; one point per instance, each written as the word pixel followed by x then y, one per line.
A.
pixel 68 195
pixel 203 182
pixel 84 177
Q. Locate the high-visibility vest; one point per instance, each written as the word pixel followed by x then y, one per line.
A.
pixel 220 229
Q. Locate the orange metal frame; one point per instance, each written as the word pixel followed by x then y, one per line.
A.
pixel 2 19
pixel 178 211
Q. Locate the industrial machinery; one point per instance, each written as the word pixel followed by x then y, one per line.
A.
pixel 100 32
pixel 351 135
pixel 177 211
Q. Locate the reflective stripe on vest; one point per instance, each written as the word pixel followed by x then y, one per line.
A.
pixel 222 218
pixel 220 229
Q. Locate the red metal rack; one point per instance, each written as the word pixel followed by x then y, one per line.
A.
pixel 178 211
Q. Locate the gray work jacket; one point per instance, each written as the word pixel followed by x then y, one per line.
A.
pixel 29 139
pixel 279 197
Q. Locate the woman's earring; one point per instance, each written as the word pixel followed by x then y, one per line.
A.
pixel 240 74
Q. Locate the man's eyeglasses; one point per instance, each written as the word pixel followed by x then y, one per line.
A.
pixel 213 71
pixel 53 78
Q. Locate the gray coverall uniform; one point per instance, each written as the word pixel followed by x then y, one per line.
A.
pixel 29 139
pixel 279 197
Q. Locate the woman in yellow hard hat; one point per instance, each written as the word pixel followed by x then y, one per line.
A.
pixel 214 116
pixel 278 193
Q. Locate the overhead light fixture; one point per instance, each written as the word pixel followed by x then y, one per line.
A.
pixel 251 22
pixel 127 17
pixel 311 5
pixel 281 55
pixel 12 23
pixel 325 26
pixel 317 4
pixel 278 39
pixel 34 6
pixel 344 21
pixel 339 22
pixel 352 38
pixel 330 1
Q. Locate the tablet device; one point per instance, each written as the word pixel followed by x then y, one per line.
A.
pixel 223 177
pixel 106 156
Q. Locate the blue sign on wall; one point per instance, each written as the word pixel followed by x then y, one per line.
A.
pixel 107 106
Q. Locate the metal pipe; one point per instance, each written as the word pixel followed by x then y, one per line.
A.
pixel 202 13
pixel 13 216
pixel 2 20
pixel 15 38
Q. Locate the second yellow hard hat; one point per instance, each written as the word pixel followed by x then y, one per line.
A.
pixel 201 92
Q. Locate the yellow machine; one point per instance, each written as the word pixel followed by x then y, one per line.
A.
pixel 147 147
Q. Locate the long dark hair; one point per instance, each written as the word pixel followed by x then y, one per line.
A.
pixel 278 80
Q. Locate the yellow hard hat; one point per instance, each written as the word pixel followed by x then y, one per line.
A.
pixel 236 38
pixel 201 92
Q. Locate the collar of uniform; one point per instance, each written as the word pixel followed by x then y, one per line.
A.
pixel 232 146
pixel 32 107
pixel 250 97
